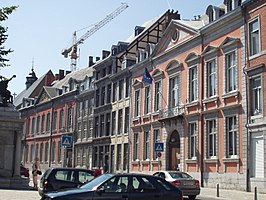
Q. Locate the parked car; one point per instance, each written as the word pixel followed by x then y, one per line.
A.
pixel 121 186
pixel 188 185
pixel 55 179
pixel 24 171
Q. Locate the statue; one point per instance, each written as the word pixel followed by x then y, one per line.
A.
pixel 5 94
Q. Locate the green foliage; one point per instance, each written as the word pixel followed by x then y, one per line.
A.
pixel 4 13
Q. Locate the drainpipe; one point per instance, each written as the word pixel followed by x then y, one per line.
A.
pixel 201 117
pixel 129 131
pixel 51 135
pixel 247 101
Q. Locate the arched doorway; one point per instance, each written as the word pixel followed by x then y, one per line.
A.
pixel 174 151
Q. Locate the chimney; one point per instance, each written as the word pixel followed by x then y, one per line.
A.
pixel 138 30
pixel 56 76
pixel 61 74
pixel 90 61
pixel 68 72
pixel 105 54
pixel 97 58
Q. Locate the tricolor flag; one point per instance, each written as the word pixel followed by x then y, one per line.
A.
pixel 147 77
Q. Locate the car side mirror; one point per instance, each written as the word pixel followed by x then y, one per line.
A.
pixel 100 189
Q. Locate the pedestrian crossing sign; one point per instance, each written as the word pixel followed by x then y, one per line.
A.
pixel 158 146
pixel 66 141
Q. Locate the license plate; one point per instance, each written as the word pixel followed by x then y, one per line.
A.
pixel 188 183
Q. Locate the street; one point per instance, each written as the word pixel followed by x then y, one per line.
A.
pixel 206 194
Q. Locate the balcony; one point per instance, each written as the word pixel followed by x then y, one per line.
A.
pixel 170 113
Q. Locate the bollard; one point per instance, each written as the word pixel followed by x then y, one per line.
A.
pixel 255 193
pixel 217 190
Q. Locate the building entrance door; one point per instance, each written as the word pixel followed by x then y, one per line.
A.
pixel 174 151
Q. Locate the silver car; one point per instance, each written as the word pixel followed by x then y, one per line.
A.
pixel 188 185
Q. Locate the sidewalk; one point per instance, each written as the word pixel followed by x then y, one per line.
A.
pixel 230 194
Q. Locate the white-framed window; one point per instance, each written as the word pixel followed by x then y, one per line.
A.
pixel 58 152
pixel 193 84
pixel 102 125
pixel 114 92
pixel 256 95
pixel 119 157
pixel 147 100
pixel 142 55
pixel 103 96
pixel 211 138
pixel 146 145
pixel 231 71
pixel 192 129
pixel 108 124
pixel 120 122
pixel 157 95
pixel 126 120
pixel 211 78
pixel 97 97
pixel 231 136
pixel 113 123
pixel 61 119
pixel 121 89
pixel 54 121
pixel 48 122
pixel 136 146
pixel 174 91
pixel 41 152
pixel 109 92
pixel 33 125
pixel 254 37
pixel 96 129
pixel 137 103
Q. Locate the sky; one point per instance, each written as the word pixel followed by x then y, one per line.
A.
pixel 39 30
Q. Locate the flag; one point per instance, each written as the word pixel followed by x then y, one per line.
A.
pixel 147 77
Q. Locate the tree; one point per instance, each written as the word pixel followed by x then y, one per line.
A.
pixel 4 13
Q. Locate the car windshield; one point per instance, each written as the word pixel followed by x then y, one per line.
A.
pixel 95 182
pixel 179 175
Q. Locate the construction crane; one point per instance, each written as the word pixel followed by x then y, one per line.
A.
pixel 72 50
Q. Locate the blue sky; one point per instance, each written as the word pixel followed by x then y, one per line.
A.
pixel 40 29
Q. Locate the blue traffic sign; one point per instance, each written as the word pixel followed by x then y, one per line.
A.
pixel 66 141
pixel 158 146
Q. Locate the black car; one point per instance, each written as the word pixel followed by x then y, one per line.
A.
pixel 121 186
pixel 61 178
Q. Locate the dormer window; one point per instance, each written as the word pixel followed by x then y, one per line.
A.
pixel 214 12
pixel 124 63
pixel 149 49
pixel 142 55
pixel 210 15
pixel 229 5
pixel 232 4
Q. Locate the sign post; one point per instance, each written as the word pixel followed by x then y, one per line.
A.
pixel 159 147
pixel 66 142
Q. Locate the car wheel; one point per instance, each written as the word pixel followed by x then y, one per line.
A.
pixel 192 197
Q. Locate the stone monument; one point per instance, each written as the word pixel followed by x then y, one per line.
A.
pixel 11 130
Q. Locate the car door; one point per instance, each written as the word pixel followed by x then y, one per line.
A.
pixel 142 188
pixel 114 188
pixel 63 178
pixel 84 177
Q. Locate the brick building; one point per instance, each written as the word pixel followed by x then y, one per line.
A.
pixel 203 101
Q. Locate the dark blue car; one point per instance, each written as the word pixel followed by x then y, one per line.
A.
pixel 120 186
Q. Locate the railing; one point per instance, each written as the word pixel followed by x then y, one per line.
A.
pixel 171 112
